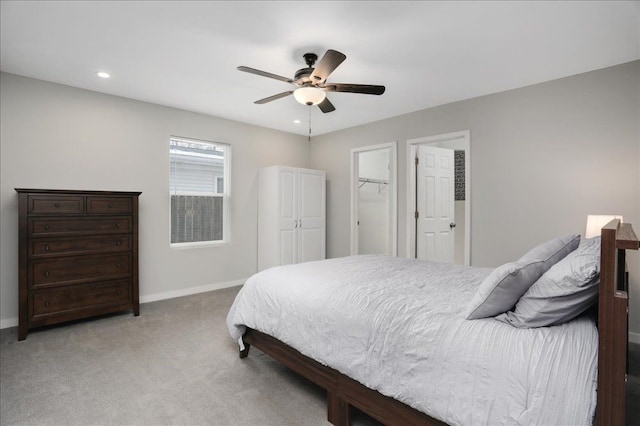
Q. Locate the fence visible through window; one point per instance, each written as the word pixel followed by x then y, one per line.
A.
pixel 195 218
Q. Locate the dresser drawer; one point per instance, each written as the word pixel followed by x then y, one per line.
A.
pixel 43 227
pixel 55 204
pixel 79 245
pixel 78 269
pixel 109 205
pixel 58 300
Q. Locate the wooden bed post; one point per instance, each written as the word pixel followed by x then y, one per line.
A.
pixel 338 410
pixel 245 352
pixel 613 323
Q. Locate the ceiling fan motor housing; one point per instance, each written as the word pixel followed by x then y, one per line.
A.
pixel 303 75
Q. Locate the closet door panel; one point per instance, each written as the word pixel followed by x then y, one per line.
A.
pixel 311 215
pixel 311 206
pixel 288 215
pixel 288 247
pixel 310 244
pixel 288 205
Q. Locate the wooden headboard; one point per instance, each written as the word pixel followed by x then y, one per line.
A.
pixel 613 323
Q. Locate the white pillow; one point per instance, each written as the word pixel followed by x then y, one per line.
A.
pixel 500 291
pixel 568 289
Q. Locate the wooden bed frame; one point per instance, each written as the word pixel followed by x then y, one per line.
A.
pixel 344 392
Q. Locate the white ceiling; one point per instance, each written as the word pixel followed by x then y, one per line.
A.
pixel 184 54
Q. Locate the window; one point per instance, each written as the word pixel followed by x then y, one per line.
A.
pixel 199 190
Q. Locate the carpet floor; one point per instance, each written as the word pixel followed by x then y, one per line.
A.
pixel 175 364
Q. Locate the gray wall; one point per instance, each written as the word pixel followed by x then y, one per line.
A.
pixel 55 136
pixel 543 157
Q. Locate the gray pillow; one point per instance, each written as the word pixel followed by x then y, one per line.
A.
pixel 500 291
pixel 552 251
pixel 568 289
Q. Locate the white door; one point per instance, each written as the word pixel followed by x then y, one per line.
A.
pixel 288 211
pixel 435 204
pixel 311 215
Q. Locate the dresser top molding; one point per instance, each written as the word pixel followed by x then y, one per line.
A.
pixel 74 191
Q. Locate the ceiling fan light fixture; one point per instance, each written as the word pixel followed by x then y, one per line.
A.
pixel 309 95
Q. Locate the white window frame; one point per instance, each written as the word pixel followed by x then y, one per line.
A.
pixel 226 197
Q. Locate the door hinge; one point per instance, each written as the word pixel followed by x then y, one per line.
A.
pixel 417 161
pixel 417 215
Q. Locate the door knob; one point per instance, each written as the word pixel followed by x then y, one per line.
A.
pixel 452 225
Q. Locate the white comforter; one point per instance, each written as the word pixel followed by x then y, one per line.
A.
pixel 397 326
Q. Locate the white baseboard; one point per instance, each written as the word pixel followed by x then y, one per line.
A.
pixel 9 322
pixel 191 290
pixel 634 337
pixel 13 322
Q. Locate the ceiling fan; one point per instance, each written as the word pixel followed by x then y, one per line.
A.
pixel 312 82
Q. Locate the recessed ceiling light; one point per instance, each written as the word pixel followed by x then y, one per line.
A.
pixel 296 121
pixel 103 74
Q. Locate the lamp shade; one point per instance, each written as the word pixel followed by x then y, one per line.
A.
pixel 595 222
pixel 309 95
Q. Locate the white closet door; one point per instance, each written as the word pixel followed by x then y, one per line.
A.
pixel 288 224
pixel 435 204
pixel 311 215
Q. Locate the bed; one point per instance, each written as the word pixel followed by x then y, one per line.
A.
pixel 378 336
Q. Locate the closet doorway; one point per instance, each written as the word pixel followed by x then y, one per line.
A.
pixel 374 207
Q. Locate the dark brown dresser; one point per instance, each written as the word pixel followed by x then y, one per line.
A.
pixel 78 255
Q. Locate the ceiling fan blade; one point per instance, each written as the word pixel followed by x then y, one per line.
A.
pixel 327 65
pixel 326 106
pixel 367 89
pixel 274 97
pixel 264 74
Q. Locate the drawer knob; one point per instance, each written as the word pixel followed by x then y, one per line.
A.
pixel 46 248
pixel 117 225
pixel 57 205
pixel 118 243
pixel 46 273
pixel 46 303
pixel 46 227
pixel 119 292
pixel 117 266
pixel 110 205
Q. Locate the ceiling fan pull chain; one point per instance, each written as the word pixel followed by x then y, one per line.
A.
pixel 309 123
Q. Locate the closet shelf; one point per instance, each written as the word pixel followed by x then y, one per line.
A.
pixel 379 182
